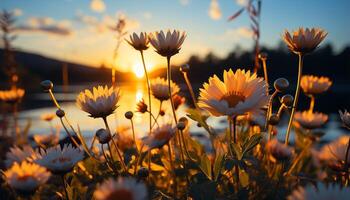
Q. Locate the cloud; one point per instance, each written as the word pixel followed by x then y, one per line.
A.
pixel 97 5
pixel 17 12
pixel 184 2
pixel 236 34
pixel 46 25
pixel 214 10
pixel 103 24
pixel 242 2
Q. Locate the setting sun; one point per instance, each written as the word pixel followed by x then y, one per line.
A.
pixel 139 71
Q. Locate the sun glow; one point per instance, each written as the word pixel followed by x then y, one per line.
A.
pixel 139 71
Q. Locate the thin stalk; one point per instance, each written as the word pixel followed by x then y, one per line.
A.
pixel 230 136
pixel 265 75
pixel 312 103
pixel 169 88
pixel 68 133
pixel 133 135
pixel 234 120
pixel 54 99
pixel 296 97
pixel 115 145
pixel 15 119
pixel 173 171
pixel 149 92
pixel 269 109
pixel 64 186
pixel 189 86
pixel 155 120
pixel 107 160
pixel 160 109
pixel 300 156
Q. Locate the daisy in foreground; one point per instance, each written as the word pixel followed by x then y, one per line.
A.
pixel 322 192
pixel 239 93
pixel 160 136
pixel 278 150
pixel 100 102
pixel 160 90
pixel 26 177
pixel 310 120
pixel 335 152
pixel 59 160
pixel 122 188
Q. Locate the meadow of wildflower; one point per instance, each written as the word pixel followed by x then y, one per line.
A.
pixel 240 135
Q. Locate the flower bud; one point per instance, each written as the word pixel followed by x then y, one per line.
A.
pixel 141 106
pixel 281 84
pixel 287 100
pixel 161 113
pixel 103 136
pixel 274 119
pixel 46 85
pixel 181 126
pixel 129 115
pixel 184 120
pixel 185 68
pixel 263 56
pixel 60 113
pixel 143 172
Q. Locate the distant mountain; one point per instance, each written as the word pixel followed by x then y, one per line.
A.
pixel 34 68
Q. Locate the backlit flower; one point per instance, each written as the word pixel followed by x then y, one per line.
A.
pixel 141 106
pixel 240 93
pixel 48 116
pixel 160 136
pixel 17 154
pixel 100 102
pixel 122 188
pixel 167 44
pixel 59 160
pixel 345 117
pixel 321 192
pixel 315 85
pixel 12 96
pixel 310 120
pixel 139 42
pixel 278 150
pixel 159 88
pixel 123 138
pixel 304 40
pixel 26 177
pixel 334 153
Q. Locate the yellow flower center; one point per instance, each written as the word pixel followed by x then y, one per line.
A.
pixel 233 98
pixel 121 194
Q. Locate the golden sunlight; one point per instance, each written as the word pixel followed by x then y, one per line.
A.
pixel 139 71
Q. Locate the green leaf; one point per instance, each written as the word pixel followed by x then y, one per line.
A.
pixel 205 166
pixel 197 116
pixel 251 143
pixel 218 163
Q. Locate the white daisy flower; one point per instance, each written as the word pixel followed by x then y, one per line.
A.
pixel 167 44
pixel 159 137
pixel 333 154
pixel 139 43
pixel 313 85
pixel 26 177
pixel 59 160
pixel 278 150
pixel 123 189
pixel 100 102
pixel 160 89
pixel 310 120
pixel 304 40
pixel 17 154
pixel 240 93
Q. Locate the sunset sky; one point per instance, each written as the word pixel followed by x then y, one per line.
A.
pixel 76 30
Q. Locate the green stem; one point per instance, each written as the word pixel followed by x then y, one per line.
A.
pixel 312 103
pixel 296 97
pixel 169 89
pixel 266 76
pixel 188 83
pixel 64 186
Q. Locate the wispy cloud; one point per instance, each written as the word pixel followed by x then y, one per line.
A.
pixel 102 25
pixel 46 25
pixel 214 10
pixel 236 34
pixel 97 5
